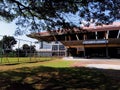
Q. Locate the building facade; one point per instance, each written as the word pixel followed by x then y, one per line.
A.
pixel 52 49
pixel 94 41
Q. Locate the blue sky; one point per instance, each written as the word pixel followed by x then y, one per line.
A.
pixel 9 29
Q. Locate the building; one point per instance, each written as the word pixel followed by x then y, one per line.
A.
pixel 52 49
pixel 93 41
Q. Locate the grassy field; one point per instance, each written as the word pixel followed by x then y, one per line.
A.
pixel 48 62
pixel 14 60
pixel 56 74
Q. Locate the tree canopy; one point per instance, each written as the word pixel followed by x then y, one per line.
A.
pixel 7 42
pixel 37 15
pixel 25 50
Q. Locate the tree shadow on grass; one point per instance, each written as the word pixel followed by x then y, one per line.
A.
pixel 38 61
pixel 72 78
pixel 11 64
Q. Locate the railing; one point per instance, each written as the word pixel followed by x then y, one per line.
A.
pixel 98 41
pixel 114 41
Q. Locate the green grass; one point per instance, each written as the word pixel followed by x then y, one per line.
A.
pixel 55 74
pixel 58 64
pixel 48 62
pixel 14 60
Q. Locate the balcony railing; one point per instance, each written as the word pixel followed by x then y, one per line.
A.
pixel 90 42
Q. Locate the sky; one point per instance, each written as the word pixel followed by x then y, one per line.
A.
pixel 9 29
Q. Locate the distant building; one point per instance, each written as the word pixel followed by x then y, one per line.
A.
pixel 52 49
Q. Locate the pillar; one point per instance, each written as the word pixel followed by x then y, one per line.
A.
pixel 107 55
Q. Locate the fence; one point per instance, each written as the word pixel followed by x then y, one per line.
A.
pixel 17 50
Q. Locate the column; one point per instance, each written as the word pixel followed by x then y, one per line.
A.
pixel 118 34
pixel 77 37
pixel 96 35
pixel 84 51
pixel 107 55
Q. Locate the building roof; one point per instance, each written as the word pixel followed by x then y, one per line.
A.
pixel 48 35
pixel 113 26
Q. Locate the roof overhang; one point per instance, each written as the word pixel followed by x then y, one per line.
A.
pixel 49 35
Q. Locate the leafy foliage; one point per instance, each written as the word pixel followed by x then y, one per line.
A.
pixel 37 15
pixel 26 50
pixel 8 42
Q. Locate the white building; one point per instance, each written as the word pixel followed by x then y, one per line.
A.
pixel 52 49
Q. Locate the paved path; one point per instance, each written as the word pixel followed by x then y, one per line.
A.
pixel 95 63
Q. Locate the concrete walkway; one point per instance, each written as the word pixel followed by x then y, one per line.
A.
pixel 104 66
pixel 95 63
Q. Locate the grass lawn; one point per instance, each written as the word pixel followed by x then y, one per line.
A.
pixel 14 60
pixel 56 74
pixel 48 62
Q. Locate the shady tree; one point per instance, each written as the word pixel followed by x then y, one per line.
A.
pixel 28 50
pixel 6 44
pixel 37 15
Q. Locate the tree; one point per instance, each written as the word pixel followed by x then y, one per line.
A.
pixel 6 45
pixel 32 49
pixel 36 15
pixel 25 50
pixel 19 52
pixel 8 42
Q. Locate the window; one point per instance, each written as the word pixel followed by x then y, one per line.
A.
pixel 61 53
pixel 61 47
pixel 101 35
pixel 56 42
pixel 46 46
pixel 113 34
pixel 55 47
